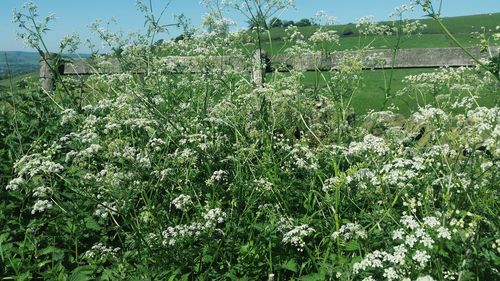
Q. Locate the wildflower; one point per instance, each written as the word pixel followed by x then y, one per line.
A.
pixel 349 231
pixel 182 202
pixel 218 176
pixel 397 234
pixel 421 257
pixel 296 236
pixel 390 274
pixel 41 206
pixel 443 233
pixel 14 184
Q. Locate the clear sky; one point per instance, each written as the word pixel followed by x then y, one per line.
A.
pixel 74 15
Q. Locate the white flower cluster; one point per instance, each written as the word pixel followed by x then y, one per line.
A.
pixel 400 171
pixel 416 239
pixel 68 115
pixel 182 202
pixel 15 184
pixel 430 115
pixel 105 209
pixel 481 127
pixel 174 234
pixel 293 34
pixel 219 176
pixel 445 81
pixel 366 27
pixel 36 164
pixel 303 157
pixel 324 36
pixel 330 183
pixel 296 235
pixel 362 177
pixel 370 144
pixel 213 217
pixel 496 245
pixel 350 231
pixel 99 251
pixel 263 185
pixel 41 206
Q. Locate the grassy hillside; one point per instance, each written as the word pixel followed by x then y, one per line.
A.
pixel 457 25
pixel 432 36
pixel 371 93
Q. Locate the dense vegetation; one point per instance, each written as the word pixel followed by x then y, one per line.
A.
pixel 161 176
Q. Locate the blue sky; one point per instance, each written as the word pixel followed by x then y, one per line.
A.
pixel 74 15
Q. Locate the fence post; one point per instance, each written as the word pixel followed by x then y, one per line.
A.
pixel 47 75
pixel 258 68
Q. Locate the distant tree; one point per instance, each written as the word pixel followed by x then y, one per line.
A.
pixel 304 22
pixel 183 36
pixel 287 23
pixel 275 22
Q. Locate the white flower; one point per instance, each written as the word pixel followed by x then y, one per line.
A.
pixel 425 278
pixel 14 184
pixel 370 143
pixel 431 221
pixel 182 202
pixel 421 257
pixel 41 206
pixel 390 274
pixel 218 176
pixel 397 234
pixel 213 217
pixel 444 233
pixel 296 236
pixel 411 240
pixel 409 222
pixel 349 231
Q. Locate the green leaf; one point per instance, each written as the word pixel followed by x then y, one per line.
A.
pixel 290 265
pixel 48 250
pixel 91 223
pixel 81 273
pixel 313 277
pixel 352 246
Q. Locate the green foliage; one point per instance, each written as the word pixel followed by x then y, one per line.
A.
pixel 160 176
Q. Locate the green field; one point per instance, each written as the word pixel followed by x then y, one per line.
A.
pixel 432 36
pixel 370 94
pixel 457 25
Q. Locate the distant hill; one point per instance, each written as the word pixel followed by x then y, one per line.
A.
pixel 18 62
pixel 432 36
pixel 21 62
